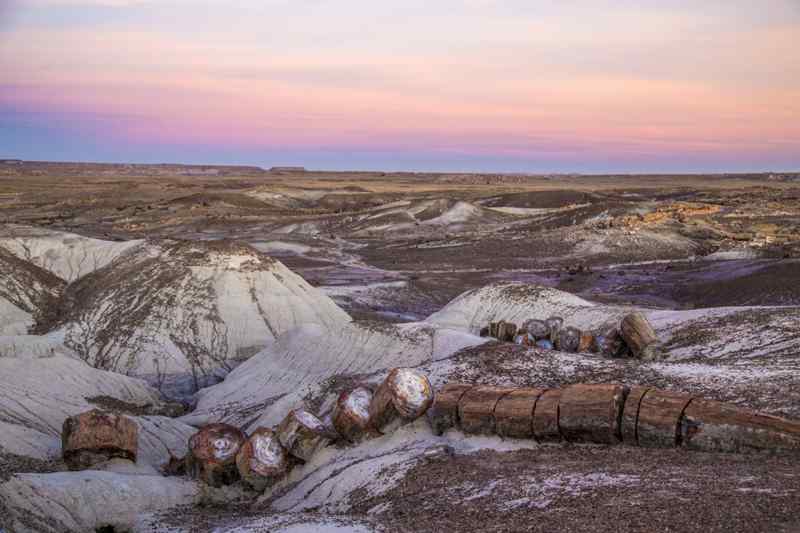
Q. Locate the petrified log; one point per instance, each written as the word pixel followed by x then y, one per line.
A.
pixel 538 329
pixel 484 331
pixel 96 436
pixel 713 426
pixel 513 414
pixel 506 331
pixel 404 395
pixel 302 434
pixel 586 341
pixel 545 417
pixel 554 325
pixel 443 414
pixel 609 344
pixel 212 454
pixel 630 415
pixel 262 461
pixel 493 329
pixel 476 409
pixel 659 421
pixel 591 413
pixel 568 339
pixel 639 335
pixel 351 414
pixel 523 339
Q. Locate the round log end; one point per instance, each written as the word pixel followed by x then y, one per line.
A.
pixel 302 434
pixel 262 460
pixel 351 414
pixel 212 454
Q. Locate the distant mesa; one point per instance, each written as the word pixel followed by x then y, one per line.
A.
pixel 11 161
pixel 287 169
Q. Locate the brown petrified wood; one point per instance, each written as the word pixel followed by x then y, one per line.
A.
pixel 351 414
pixel 513 414
pixel 262 461
pixel 443 414
pixel 476 409
pixel 493 329
pixel 403 396
pixel 212 454
pixel 506 331
pixel 659 420
pixel 639 335
pixel 591 413
pixel 586 341
pixel 545 417
pixel 630 415
pixel 302 434
pixel 97 436
pixel 713 426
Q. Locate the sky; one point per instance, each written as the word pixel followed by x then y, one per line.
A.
pixel 473 85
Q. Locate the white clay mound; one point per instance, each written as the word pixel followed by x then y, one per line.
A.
pixel 26 291
pixel 263 389
pixel 40 386
pixel 67 255
pixel 177 307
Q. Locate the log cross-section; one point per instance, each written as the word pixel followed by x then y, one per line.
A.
pixel 262 461
pixel 351 414
pixel 476 409
pixel 212 454
pixel 404 396
pixel 302 434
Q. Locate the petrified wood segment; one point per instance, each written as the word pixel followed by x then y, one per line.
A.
pixel 538 329
pixel 630 415
pixel 476 409
pixel 659 420
pixel 302 434
pixel 586 341
pixel 443 414
pixel 545 417
pixel 96 436
pixel 351 414
pixel 506 331
pixel 591 413
pixel 713 426
pixel 262 460
pixel 404 395
pixel 568 339
pixel 212 454
pixel 639 335
pixel 513 414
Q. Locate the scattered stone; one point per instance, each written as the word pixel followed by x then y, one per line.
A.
pixel 568 339
pixel 639 336
pixel 591 413
pixel 212 454
pixel 443 414
pixel 262 461
pixel 404 395
pixel 302 434
pixel 544 344
pixel 96 436
pixel 351 414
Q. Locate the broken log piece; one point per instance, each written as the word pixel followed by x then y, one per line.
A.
pixel 302 434
pixel 404 395
pixel 96 436
pixel 506 331
pixel 586 341
pixel 536 329
pixel 659 421
pixel 513 414
pixel 484 332
pixel 544 344
pixel 639 335
pixel 554 325
pixel 212 454
pixel 591 413
pixel 545 417
pixel 568 339
pixel 351 414
pixel 630 415
pixel 476 409
pixel 262 460
pixel 717 427
pixel 443 414
pixel 609 344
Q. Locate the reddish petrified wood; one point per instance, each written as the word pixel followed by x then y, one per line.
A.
pixel 713 426
pixel 630 415
pixel 403 396
pixel 545 417
pixel 513 414
pixel 639 335
pixel 591 413
pixel 443 414
pixel 586 341
pixel 302 434
pixel 476 409
pixel 262 461
pixel 212 454
pixel 96 436
pixel 659 420
pixel 351 414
